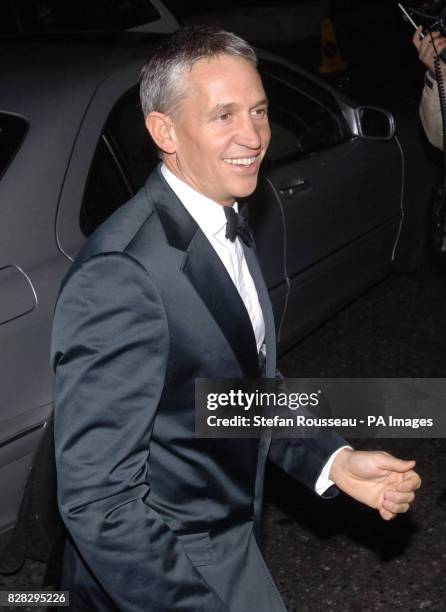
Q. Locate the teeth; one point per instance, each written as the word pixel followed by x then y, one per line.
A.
pixel 243 161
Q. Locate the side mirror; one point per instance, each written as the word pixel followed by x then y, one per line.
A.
pixel 374 123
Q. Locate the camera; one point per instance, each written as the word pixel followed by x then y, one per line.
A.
pixel 430 14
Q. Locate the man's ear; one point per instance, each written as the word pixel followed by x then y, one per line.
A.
pixel 161 130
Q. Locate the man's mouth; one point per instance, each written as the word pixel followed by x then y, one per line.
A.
pixel 241 161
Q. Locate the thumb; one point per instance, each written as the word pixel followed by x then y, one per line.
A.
pixel 416 37
pixel 391 463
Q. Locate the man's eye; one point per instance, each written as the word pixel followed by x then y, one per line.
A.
pixel 261 112
pixel 224 117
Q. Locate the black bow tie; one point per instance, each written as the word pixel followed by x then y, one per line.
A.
pixel 236 225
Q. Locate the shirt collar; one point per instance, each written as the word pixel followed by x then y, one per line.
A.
pixel 209 215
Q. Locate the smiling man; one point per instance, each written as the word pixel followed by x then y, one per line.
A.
pixel 217 134
pixel 168 290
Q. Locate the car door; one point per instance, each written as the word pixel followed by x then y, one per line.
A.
pixel 336 197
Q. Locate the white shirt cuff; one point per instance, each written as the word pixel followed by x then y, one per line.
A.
pixel 323 482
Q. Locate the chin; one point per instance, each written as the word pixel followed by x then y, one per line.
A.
pixel 245 190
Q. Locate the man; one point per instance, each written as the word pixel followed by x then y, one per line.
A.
pixel 160 520
pixel 430 111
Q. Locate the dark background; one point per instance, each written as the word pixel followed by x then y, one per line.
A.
pixel 371 34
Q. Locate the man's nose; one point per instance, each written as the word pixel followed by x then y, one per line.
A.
pixel 248 133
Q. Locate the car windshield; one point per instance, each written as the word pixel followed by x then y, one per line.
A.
pixel 53 15
pixel 12 131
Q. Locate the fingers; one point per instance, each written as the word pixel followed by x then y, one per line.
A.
pixel 429 47
pixel 411 482
pixel 393 504
pixel 419 41
pixel 386 514
pixel 416 38
pixel 404 497
pixel 394 508
pixel 396 497
pixel 396 502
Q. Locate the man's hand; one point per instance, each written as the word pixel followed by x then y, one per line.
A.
pixel 428 47
pixel 376 479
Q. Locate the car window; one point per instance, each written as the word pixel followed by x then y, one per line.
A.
pixel 303 120
pixel 52 15
pixel 106 190
pixel 126 131
pixel 124 158
pixel 12 131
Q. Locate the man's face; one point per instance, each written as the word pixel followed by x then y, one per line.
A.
pixel 221 129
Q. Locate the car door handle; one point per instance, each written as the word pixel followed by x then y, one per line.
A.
pixel 292 190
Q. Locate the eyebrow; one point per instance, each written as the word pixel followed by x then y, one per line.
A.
pixel 231 105
pixel 263 102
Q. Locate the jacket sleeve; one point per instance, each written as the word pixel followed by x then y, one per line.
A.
pixel 430 113
pixel 304 458
pixel 109 351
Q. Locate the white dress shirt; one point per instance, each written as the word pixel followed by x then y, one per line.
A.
pixel 211 219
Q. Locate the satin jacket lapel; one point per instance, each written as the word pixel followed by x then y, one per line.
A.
pixel 207 274
pixel 268 316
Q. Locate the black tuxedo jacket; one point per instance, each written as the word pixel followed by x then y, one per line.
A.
pixel 160 520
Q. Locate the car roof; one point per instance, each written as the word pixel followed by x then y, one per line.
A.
pixel 64 69
pixel 50 16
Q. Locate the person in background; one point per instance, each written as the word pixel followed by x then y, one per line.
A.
pixel 430 111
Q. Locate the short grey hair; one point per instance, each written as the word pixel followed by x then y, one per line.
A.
pixel 162 87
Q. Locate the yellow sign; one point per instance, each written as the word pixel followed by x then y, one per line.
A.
pixel 331 57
